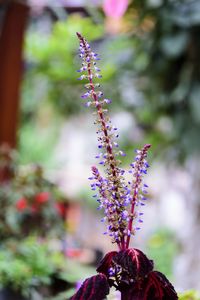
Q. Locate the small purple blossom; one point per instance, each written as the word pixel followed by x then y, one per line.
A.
pixel 122 153
pixel 88 104
pixel 107 101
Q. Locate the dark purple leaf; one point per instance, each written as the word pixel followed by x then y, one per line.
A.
pixel 154 287
pixel 158 287
pixel 135 292
pixel 93 288
pixel 134 263
pixel 125 267
pixel 106 263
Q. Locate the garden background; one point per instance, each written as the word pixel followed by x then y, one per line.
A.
pixel 151 70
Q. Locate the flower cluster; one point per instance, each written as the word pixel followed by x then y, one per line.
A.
pixel 39 202
pixel 36 204
pixel 32 202
pixel 117 197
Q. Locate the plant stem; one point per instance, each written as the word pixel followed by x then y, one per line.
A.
pixel 136 190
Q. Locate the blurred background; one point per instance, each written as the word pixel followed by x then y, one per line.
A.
pixel 151 70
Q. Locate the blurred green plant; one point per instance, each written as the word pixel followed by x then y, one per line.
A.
pixel 30 203
pixel 50 85
pixel 190 295
pixel 29 264
pixel 53 53
pixel 34 265
pixel 50 69
pixel 50 61
pixel 37 142
pixel 162 248
pixel 166 60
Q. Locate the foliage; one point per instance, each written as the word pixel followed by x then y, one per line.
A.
pixel 190 295
pixel 34 263
pixel 50 67
pixel 51 62
pixel 50 86
pixel 28 264
pixel 130 272
pixel 166 59
pixel 162 248
pixel 35 139
pixel 29 202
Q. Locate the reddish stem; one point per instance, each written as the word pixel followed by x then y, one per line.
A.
pixel 136 191
pixel 130 224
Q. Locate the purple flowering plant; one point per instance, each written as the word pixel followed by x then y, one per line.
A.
pixel 128 269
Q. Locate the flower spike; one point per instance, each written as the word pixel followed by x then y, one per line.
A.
pixel 115 197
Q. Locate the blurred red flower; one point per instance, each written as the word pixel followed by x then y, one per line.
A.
pixel 21 204
pixel 42 197
pixel 61 209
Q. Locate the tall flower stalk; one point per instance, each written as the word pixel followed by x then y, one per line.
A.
pixel 116 197
pixel 128 270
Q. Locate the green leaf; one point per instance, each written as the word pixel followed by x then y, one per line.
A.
pixel 174 45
